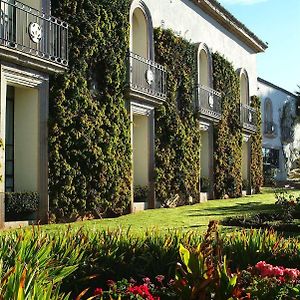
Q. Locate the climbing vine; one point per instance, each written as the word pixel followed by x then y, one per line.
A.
pixel 228 134
pixel 256 167
pixel 89 127
pixel 177 130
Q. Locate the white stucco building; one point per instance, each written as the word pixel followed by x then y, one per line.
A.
pixel 279 131
pixel 212 29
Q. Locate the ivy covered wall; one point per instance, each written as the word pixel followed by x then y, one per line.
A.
pixel 177 144
pixel 89 127
pixel 256 167
pixel 228 134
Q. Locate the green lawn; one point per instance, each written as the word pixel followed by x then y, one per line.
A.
pixel 186 217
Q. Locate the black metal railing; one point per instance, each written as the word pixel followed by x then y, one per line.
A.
pixel 270 128
pixel 28 30
pixel 209 102
pixel 248 117
pixel 147 77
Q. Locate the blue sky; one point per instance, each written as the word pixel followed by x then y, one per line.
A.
pixel 276 22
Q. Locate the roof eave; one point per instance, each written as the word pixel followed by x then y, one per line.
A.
pixel 231 24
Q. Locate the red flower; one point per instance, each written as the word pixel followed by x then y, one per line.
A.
pixel 98 291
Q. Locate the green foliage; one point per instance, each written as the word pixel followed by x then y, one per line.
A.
pixel 33 265
pixel 228 134
pixel 204 272
pixel 141 193
pixel 89 126
pixel 256 149
pixel 177 144
pixel 21 202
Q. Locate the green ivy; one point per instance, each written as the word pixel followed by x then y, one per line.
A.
pixel 228 133
pixel 89 126
pixel 256 149
pixel 177 146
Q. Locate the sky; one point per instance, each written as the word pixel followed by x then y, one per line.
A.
pixel 276 22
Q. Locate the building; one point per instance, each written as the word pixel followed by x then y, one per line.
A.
pixel 280 131
pixel 213 29
pixel 33 44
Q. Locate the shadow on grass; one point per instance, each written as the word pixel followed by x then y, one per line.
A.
pixel 238 209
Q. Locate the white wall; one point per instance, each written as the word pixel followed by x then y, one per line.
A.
pixel 278 98
pixel 26 139
pixel 188 20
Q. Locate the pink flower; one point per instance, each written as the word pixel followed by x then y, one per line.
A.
pixel 160 278
pixel 147 280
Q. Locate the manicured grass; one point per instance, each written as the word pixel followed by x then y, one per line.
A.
pixel 183 218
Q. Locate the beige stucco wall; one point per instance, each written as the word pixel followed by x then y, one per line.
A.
pixel 141 140
pixel 37 4
pixel 245 160
pixel 189 21
pixel 205 155
pixel 26 139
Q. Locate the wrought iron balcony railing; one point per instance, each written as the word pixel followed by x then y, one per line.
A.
pixel 147 77
pixel 270 128
pixel 28 30
pixel 209 102
pixel 248 118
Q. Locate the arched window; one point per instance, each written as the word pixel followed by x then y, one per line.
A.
pixel 244 87
pixel 204 66
pixel 268 111
pixel 141 35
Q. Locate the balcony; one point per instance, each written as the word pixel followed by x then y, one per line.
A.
pixel 209 103
pixel 248 118
pixel 147 79
pixel 27 36
pixel 270 129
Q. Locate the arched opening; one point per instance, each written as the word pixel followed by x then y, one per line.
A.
pixel 244 90
pixel 203 69
pixel 140 33
pixel 268 111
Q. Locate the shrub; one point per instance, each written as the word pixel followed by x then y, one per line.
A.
pixel 21 202
pixel 141 193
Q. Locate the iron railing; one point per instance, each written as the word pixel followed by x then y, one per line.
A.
pixel 147 77
pixel 270 128
pixel 28 30
pixel 209 102
pixel 248 117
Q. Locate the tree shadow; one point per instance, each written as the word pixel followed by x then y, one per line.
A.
pixel 238 209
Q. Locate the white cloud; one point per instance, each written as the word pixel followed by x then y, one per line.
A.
pixel 241 2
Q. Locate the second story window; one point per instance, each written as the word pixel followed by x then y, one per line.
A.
pixel 244 88
pixel 269 127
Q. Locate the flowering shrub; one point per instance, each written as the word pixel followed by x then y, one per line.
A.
pixel 125 290
pixel 283 274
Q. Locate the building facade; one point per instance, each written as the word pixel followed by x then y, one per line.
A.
pixel 210 27
pixel 33 44
pixel 280 131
